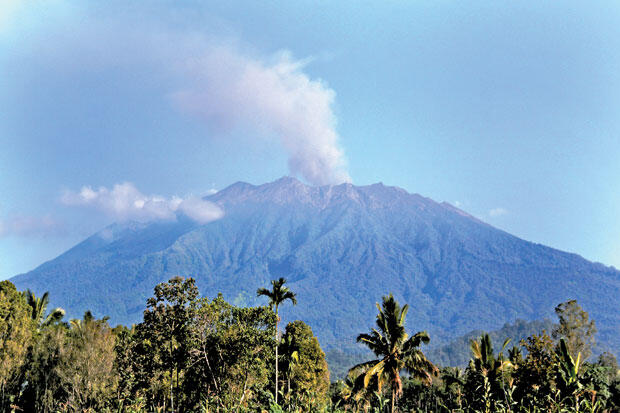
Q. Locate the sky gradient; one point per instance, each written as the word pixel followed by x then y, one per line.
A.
pixel 126 110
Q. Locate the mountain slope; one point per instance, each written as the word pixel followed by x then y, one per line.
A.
pixel 341 247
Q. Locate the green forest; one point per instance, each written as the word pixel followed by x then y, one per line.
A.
pixel 198 354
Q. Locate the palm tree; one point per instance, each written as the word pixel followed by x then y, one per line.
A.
pixel 396 351
pixel 452 378
pixel 38 306
pixel 80 325
pixel 291 356
pixel 353 392
pixel 489 368
pixel 277 295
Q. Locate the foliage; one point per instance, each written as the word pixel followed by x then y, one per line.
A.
pixel 576 328
pixel 306 369
pixel 487 375
pixel 87 369
pixel 16 333
pixel 44 390
pixel 38 307
pixel 395 349
pixel 163 341
pixel 535 375
pixel 198 354
pixel 457 351
pixel 231 353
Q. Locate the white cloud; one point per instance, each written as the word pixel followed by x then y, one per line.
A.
pixel 124 202
pixel 200 210
pixel 271 96
pixel 497 212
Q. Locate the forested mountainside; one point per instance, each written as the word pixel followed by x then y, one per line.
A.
pixel 341 248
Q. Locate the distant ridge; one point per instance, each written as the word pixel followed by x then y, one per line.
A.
pixel 342 247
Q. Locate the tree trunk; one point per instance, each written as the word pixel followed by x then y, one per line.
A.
pixel 393 397
pixel 276 362
pixel 277 321
pixel 171 380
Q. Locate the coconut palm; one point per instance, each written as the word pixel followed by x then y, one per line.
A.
pixel 38 306
pixel 277 295
pixel 353 392
pixel 396 351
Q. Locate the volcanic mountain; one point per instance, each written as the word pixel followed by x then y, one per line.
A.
pixel 341 248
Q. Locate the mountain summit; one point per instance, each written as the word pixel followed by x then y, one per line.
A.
pixel 341 247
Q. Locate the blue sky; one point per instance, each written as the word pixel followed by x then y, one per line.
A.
pixel 123 110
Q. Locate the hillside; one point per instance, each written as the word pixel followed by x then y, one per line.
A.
pixel 458 353
pixel 341 247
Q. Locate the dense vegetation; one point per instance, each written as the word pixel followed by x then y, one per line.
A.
pixel 191 353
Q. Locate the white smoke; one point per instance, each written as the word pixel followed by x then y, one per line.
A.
pixel 124 202
pixel 227 88
pixel 214 77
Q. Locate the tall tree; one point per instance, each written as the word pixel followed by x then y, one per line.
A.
pixel 45 390
pixel 16 331
pixel 166 327
pixel 576 329
pixel 38 307
pixel 87 370
pixel 230 355
pixel 396 351
pixel 277 295
pixel 306 367
pixel 534 375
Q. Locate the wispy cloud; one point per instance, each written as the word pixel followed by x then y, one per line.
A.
pixel 497 212
pixel 124 202
pixel 7 13
pixel 29 226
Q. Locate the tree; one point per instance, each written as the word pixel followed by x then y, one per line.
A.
pixel 38 306
pixel 307 371
pixel 576 329
pixel 230 354
pixel 486 374
pixel 87 370
pixel 535 375
pixel 277 295
pixel 16 331
pixel 396 351
pixel 44 389
pixel 166 328
pixel 568 373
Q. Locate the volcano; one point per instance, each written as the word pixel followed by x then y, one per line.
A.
pixel 341 247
